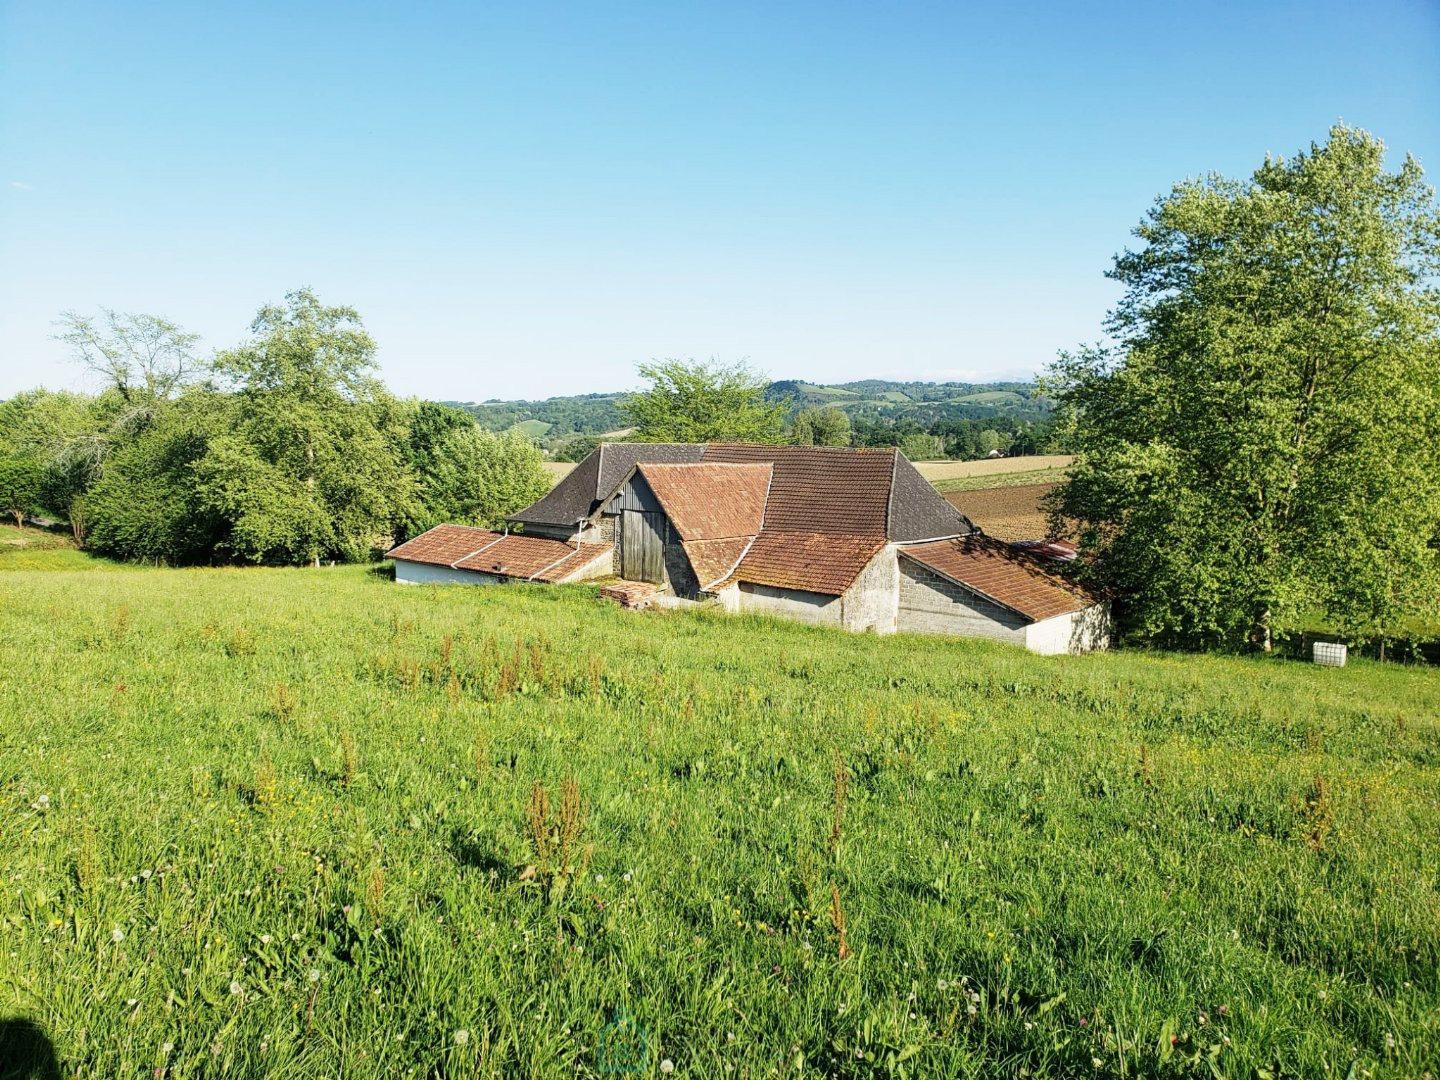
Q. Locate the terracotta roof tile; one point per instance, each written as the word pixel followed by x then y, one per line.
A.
pixel 714 559
pixel 812 561
pixel 711 501
pixel 820 489
pixel 537 557
pixel 994 570
pixel 443 545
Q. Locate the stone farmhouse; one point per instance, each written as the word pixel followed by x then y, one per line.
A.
pixel 851 538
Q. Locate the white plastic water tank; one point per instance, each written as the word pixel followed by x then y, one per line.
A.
pixel 1329 653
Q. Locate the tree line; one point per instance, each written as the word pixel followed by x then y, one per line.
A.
pixel 282 450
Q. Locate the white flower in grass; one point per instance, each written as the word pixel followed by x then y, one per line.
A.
pixel 667 1066
pixel 117 935
pixel 462 1037
pixel 314 975
pixel 165 1048
pixel 264 939
pixel 235 986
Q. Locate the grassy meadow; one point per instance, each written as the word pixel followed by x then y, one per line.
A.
pixel 309 823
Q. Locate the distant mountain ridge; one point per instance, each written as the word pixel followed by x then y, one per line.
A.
pixel 556 419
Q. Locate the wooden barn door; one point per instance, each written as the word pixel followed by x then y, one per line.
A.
pixel 642 546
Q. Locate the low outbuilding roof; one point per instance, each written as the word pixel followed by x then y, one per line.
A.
pixel 997 572
pixel 535 558
pixel 808 561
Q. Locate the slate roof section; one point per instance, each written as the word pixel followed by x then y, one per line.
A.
pixel 578 494
pixel 443 545
pixel 918 511
pixel 535 558
pixel 461 547
pixel 711 501
pixel 994 570
pixel 809 561
pixel 820 489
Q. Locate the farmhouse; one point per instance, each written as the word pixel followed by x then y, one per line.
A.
pixel 850 538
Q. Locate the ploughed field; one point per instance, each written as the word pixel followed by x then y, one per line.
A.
pixel 311 823
pixel 1006 513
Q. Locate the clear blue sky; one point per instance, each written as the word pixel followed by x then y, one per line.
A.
pixel 526 199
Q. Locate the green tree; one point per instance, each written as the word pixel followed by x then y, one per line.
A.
pixel 19 486
pixel 481 477
pixel 698 402
pixel 144 358
pixel 146 504
pixel 921 447
pixel 1263 440
pixel 827 426
pixel 313 466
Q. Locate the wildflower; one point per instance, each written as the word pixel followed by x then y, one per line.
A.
pixel 314 975
pixel 629 874
pixel 235 986
pixel 117 935
pixel 1097 1062
pixel 1204 1018
pixel 1224 1010
pixel 165 1048
pixel 942 985
pixel 667 1066
pixel 42 803
pixel 462 1037
pixel 1084 1022
pixel 132 1002
pixel 264 939
pixel 146 874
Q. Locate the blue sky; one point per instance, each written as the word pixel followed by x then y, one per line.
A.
pixel 529 199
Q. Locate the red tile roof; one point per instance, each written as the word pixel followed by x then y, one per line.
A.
pixel 821 489
pixel 516 555
pixel 811 561
pixel 443 545
pixel 999 573
pixel 714 559
pixel 533 557
pixel 711 501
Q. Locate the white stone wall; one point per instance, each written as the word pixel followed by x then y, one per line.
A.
pixel 931 604
pixel 870 602
pixel 791 604
pixel 1078 632
pixel 418 573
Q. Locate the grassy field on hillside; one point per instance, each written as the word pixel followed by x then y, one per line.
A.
pixel 285 823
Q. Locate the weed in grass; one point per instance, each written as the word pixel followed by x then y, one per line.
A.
pixel 349 760
pixel 265 787
pixel 88 870
pixel 561 854
pixel 1318 814
pixel 839 792
pixel 837 920
pixel 241 642
pixel 282 705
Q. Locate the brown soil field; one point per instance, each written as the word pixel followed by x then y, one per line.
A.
pixel 1006 513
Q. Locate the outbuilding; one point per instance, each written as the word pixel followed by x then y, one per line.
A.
pixel 851 538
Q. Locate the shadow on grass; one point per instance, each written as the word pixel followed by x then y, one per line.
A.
pixel 26 1052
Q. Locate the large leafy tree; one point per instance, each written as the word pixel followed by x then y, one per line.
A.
pixel 1263 438
pixel 700 402
pixel 20 478
pixel 146 504
pixel 816 426
pixel 481 477
pixel 313 467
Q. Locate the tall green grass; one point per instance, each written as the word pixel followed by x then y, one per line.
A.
pixel 284 823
